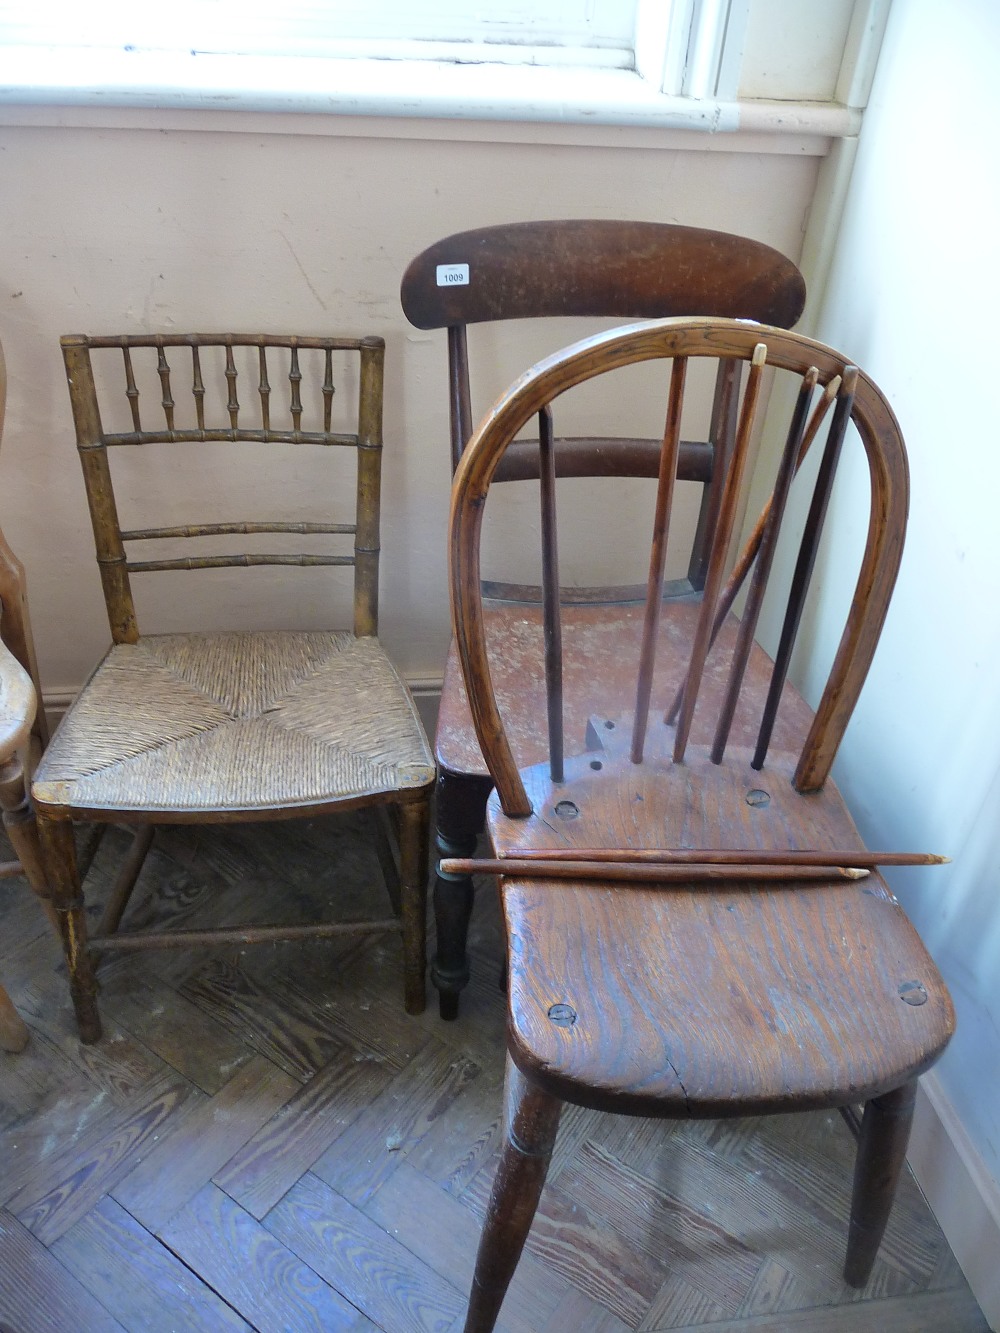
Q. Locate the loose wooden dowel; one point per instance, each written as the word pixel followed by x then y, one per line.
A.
pixel 730 856
pixel 720 545
pixel 639 872
pixel 806 560
pixel 749 553
pixel 550 593
pixel 658 554
pixel 762 567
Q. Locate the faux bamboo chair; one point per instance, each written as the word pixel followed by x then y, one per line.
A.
pixel 587 269
pixel 23 733
pixel 183 728
pixel 684 939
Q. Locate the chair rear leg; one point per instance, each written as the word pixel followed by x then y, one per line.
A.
pixel 414 837
pixel 885 1132
pixel 59 850
pixel 531 1120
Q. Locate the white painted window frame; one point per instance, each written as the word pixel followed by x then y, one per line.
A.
pixel 688 56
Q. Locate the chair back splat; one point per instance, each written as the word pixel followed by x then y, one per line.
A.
pixel 688 935
pixel 275 418
pixel 595 269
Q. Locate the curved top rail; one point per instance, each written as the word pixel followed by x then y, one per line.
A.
pixel 598 267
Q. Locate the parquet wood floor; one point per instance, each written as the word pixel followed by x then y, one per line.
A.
pixel 264 1140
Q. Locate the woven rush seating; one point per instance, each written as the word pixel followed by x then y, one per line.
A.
pixel 247 721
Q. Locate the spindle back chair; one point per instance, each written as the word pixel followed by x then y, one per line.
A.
pixel 687 937
pixel 23 733
pixel 547 270
pixel 246 724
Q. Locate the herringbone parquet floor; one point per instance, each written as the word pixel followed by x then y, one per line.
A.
pixel 264 1140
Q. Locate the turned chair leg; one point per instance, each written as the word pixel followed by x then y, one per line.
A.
pixel 531 1119
pixel 19 823
pixel 414 838
pixel 885 1132
pixel 461 813
pixel 67 897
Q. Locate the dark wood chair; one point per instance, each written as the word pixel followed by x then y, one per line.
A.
pixel 687 936
pixel 221 727
pixel 23 734
pixel 589 269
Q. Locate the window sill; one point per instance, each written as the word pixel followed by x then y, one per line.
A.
pixel 34 78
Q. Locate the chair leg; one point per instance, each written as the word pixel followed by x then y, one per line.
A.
pixel 885 1132
pixel 531 1120
pixel 13 1031
pixel 461 813
pixel 59 850
pixel 414 837
pixel 19 822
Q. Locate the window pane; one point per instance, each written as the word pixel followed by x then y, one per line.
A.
pixel 333 27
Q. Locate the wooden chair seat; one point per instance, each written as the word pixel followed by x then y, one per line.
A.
pixel 190 723
pixel 514 632
pixel 690 999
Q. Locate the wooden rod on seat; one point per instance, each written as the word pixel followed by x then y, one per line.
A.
pixel 729 856
pixel 658 554
pixel 806 560
pixel 720 545
pixel 643 872
pixel 749 553
pixel 765 559
pixel 550 593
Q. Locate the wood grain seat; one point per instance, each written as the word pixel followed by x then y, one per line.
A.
pixel 189 722
pixel 514 633
pixel 689 999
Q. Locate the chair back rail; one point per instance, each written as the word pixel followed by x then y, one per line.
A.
pixel 823 374
pixel 593 269
pixel 179 359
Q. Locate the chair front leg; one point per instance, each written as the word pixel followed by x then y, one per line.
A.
pixel 414 840
pixel 59 851
pixel 885 1132
pixel 531 1119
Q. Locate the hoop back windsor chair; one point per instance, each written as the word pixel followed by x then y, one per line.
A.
pixel 685 935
